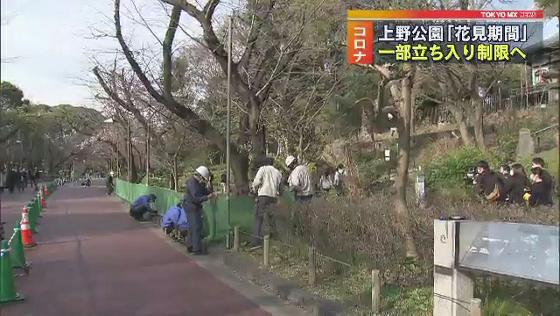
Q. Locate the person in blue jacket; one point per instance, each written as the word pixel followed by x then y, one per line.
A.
pixel 175 218
pixel 196 192
pixel 141 209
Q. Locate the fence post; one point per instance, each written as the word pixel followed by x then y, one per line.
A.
pixel 312 266
pixel 476 309
pixel 375 292
pixel 236 238
pixel 266 244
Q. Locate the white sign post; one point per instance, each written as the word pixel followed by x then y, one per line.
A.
pixel 453 290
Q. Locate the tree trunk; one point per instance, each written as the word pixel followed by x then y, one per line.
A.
pixel 479 123
pixel 240 168
pixel 256 130
pixel 463 127
pixel 133 170
pixel 175 173
pixel 401 182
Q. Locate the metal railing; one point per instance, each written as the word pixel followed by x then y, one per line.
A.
pixel 312 263
pixel 539 132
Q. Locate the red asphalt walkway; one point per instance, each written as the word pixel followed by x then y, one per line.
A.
pixel 92 259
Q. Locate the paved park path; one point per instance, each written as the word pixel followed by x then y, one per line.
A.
pixel 92 259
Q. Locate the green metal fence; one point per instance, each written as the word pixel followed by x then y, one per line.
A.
pixel 214 212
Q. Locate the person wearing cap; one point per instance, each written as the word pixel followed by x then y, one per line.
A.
pixel 196 192
pixel 141 208
pixel 299 180
pixel 175 219
pixel 268 186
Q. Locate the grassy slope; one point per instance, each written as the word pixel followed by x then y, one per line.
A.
pixel 551 159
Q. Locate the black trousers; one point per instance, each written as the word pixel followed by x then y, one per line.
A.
pixel 194 241
pixel 262 211
pixel 140 213
pixel 303 199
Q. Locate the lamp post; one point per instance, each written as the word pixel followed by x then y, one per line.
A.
pixel 20 142
pixel 500 94
pixel 148 127
pixel 228 128
pixel 115 152
pixel 129 153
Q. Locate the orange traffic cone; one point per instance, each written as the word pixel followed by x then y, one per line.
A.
pixel 43 201
pixel 26 233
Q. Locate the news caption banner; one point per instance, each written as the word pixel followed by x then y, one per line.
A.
pixel 439 36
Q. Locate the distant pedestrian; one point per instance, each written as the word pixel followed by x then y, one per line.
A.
pixel 299 180
pixel 326 181
pixel 268 187
pixel 109 183
pixel 11 180
pixel 339 179
pixel 223 181
pixel 196 192
pixel 20 180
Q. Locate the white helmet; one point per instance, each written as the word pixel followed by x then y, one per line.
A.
pixel 112 173
pixel 204 172
pixel 289 160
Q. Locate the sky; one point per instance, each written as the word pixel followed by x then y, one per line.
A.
pixel 46 45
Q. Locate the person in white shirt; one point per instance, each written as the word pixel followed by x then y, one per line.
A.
pixel 268 186
pixel 326 182
pixel 299 180
pixel 339 179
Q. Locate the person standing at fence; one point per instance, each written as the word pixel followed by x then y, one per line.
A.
pixel 141 209
pixel 299 180
pixel 196 192
pixel 268 186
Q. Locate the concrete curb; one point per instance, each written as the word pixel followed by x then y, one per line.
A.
pixel 286 290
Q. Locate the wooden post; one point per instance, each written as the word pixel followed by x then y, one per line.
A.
pixel 375 292
pixel 266 244
pixel 236 238
pixel 312 266
pixel 476 309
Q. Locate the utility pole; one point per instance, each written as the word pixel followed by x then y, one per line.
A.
pixel 228 128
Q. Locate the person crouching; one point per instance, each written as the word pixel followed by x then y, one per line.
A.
pixel 175 220
pixel 141 208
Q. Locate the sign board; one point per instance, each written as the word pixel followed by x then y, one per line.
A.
pixel 519 250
